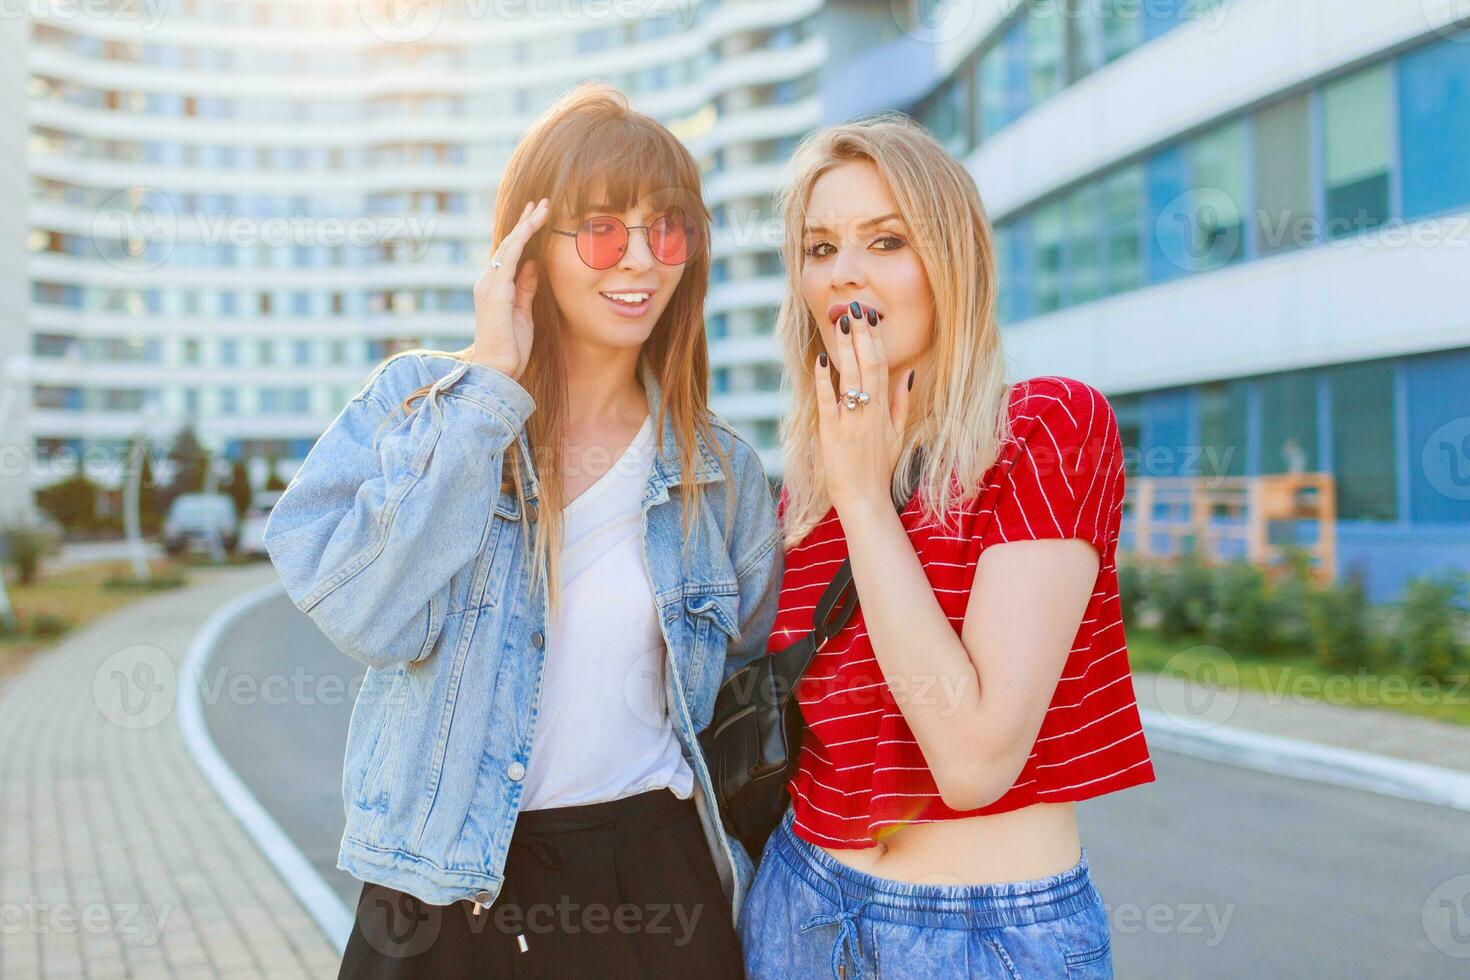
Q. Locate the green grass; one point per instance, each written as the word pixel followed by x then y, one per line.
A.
pixel 1302 678
pixel 77 595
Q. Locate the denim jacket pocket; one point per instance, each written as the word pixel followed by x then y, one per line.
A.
pixel 713 619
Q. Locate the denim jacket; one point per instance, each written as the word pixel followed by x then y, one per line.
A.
pixel 396 539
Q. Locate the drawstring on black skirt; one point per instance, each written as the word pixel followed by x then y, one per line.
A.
pixel 542 843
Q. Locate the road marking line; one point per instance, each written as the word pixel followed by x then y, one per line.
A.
pixel 310 888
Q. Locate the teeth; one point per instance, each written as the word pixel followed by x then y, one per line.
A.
pixel 632 299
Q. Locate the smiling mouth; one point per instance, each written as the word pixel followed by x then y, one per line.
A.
pixel 634 297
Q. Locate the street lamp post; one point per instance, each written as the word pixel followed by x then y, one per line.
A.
pixel 132 491
pixel 17 373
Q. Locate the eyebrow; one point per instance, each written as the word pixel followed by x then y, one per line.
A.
pixel 892 215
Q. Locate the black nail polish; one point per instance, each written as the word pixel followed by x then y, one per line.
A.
pixel 857 308
pixel 872 318
pixel 822 358
pixel 844 323
pixel 911 381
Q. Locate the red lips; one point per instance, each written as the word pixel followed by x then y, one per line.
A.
pixel 835 311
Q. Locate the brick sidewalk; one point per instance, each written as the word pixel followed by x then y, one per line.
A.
pixel 116 857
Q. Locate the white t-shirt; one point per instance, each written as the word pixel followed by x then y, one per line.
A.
pixel 603 730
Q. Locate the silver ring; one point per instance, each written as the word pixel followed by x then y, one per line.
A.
pixel 852 399
pixel 495 263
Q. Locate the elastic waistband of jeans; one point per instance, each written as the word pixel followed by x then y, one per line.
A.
pixel 620 819
pixel 998 905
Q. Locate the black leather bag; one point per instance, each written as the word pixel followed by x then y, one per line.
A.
pixel 755 732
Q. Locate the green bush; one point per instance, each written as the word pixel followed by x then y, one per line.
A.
pixel 1241 616
pixel 1180 593
pixel 23 549
pixel 1429 637
pixel 1132 593
pixel 1342 637
pixel 1291 609
pixel 47 625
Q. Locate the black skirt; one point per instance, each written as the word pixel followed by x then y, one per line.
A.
pixel 619 889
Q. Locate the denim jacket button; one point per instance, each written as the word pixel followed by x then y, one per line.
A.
pixel 537 640
pixel 515 771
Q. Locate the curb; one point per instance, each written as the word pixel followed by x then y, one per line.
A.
pixel 320 902
pixel 1282 756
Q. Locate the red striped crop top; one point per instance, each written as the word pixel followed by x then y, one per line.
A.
pixel 861 773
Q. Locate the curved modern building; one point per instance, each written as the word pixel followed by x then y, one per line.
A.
pixel 1246 221
pixel 239 208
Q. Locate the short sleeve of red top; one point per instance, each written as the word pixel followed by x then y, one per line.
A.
pixel 861 773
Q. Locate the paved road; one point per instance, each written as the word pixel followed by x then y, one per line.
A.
pixel 1211 871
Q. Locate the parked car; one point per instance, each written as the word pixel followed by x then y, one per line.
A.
pixel 252 528
pixel 194 519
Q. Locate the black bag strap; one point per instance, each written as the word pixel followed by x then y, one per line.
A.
pixel 834 610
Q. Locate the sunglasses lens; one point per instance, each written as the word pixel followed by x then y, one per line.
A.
pixel 673 238
pixel 601 242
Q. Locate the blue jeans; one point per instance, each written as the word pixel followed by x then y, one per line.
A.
pixel 807 914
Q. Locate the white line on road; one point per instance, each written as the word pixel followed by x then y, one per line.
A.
pixel 329 911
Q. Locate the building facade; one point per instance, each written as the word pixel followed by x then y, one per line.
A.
pixel 1244 220
pixel 239 208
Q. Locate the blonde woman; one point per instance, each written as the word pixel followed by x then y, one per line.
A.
pixel 982 686
pixel 549 553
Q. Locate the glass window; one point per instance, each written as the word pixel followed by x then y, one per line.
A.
pixel 1363 425
pixel 1049 225
pixel 1439 446
pixel 1170 230
pixel 1357 146
pixel 1123 220
pixel 944 114
pixel 1288 422
pixel 1046 35
pixel 1014 258
pixel 1122 27
pixel 1218 164
pixel 1222 429
pixel 1084 38
pixel 1283 177
pixel 1434 127
pixel 1004 85
pixel 1084 243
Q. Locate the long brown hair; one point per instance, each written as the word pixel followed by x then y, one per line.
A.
pixel 957 420
pixel 588 144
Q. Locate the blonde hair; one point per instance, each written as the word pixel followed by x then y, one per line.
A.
pixel 957 418
pixel 589 144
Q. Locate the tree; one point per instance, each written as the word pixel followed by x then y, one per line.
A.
pixel 273 479
pixel 239 486
pixel 72 501
pixel 189 460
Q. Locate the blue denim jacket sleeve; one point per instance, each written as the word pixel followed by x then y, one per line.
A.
pixel 759 566
pixel 387 507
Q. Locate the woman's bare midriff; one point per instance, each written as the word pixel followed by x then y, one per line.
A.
pixel 1032 842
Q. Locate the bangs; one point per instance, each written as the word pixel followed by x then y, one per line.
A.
pixel 618 164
